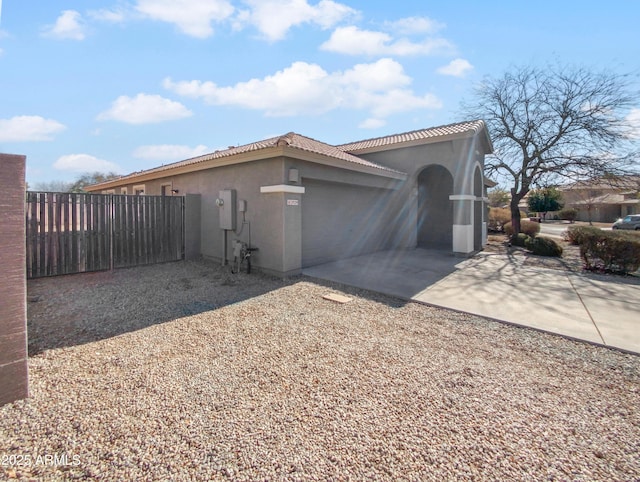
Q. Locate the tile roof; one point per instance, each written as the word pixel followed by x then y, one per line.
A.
pixel 609 198
pixel 615 183
pixel 291 140
pixel 460 128
pixel 345 152
pixel 311 145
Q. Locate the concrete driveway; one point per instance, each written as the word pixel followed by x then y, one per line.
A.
pixel 602 310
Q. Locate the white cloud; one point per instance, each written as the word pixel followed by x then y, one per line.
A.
pixel 69 25
pixel 456 68
pixel 274 18
pixel 633 120
pixel 307 89
pixel 169 152
pixel 29 128
pixel 354 41
pixel 116 15
pixel 415 25
pixel 372 123
pixel 84 163
pixel 192 17
pixel 144 109
pixel 3 34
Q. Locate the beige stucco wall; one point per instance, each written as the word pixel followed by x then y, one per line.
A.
pixel 461 157
pixel 344 212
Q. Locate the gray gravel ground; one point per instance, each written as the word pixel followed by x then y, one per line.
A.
pixel 184 372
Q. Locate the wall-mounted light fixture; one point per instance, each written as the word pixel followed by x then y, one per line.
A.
pixel 175 191
pixel 294 175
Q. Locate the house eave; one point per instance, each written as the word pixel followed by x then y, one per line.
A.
pixel 258 155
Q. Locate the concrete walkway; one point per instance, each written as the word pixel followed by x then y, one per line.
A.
pixel 590 308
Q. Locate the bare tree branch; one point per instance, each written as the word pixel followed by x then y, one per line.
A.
pixel 555 123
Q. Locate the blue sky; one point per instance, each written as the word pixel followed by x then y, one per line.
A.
pixel 126 85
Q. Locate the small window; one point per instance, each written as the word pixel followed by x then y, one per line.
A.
pixel 138 190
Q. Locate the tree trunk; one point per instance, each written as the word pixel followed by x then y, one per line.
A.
pixel 515 212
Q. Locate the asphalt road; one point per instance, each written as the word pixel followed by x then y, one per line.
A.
pixel 557 229
pixel 553 229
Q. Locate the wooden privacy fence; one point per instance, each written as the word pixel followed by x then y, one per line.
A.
pixel 74 233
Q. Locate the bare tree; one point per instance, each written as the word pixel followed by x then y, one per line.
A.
pixel 555 122
pixel 78 185
pixel 91 178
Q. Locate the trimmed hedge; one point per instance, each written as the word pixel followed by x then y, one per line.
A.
pixel 610 251
pixel 568 214
pixel 577 234
pixel 527 227
pixel 520 240
pixel 543 246
pixel 498 217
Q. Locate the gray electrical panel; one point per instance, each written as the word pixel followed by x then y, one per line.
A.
pixel 228 206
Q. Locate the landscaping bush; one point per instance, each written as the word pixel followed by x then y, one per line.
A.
pixel 576 234
pixel 498 217
pixel 520 240
pixel 568 214
pixel 543 246
pixel 610 251
pixel 527 227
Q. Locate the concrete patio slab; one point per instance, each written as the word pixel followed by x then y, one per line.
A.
pixel 500 287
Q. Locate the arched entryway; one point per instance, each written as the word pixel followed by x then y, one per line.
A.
pixel 435 209
pixel 477 210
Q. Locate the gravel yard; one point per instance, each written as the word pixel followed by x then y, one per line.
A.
pixel 183 371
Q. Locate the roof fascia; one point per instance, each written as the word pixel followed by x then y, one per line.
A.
pixel 303 155
pixel 257 155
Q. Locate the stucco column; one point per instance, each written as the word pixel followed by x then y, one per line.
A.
pixel 462 223
pixel 290 199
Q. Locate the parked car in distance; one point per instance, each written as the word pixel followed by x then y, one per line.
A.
pixel 628 222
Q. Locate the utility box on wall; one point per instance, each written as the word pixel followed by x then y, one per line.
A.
pixel 227 203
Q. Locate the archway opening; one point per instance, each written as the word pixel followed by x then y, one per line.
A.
pixel 435 209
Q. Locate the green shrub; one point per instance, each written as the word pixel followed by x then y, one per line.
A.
pixel 527 227
pixel 498 217
pixel 520 240
pixel 576 234
pixel 610 251
pixel 568 214
pixel 543 246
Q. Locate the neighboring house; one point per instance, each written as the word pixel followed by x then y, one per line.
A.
pixel 603 200
pixel 304 202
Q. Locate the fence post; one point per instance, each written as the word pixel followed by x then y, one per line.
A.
pixel 192 226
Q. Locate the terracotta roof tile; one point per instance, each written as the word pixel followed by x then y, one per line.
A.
pixel 311 145
pixel 291 139
pixel 470 127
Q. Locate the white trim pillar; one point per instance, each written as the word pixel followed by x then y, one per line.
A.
pixel 462 223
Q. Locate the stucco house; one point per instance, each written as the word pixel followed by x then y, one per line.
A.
pixel 303 202
pixel 603 199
